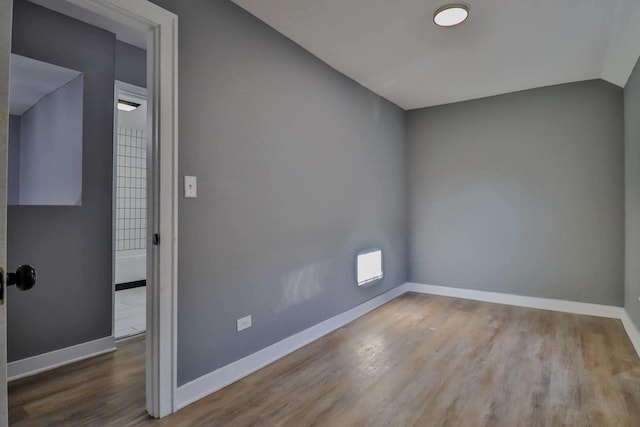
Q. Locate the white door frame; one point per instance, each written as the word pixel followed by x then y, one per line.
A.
pixel 5 54
pixel 161 27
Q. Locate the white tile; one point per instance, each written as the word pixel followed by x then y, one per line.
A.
pixel 137 322
pixel 130 316
pixel 139 291
pixel 137 302
pixel 127 294
pixel 120 306
pixel 125 332
pixel 140 326
pixel 131 294
pixel 138 298
pixel 120 299
pixel 138 311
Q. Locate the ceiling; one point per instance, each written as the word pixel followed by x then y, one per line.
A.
pixel 32 80
pixel 393 48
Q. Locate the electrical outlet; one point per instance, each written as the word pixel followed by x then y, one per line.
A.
pixel 244 323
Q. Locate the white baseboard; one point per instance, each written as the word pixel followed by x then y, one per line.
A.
pixel 44 362
pixel 588 309
pixel 632 331
pixel 220 378
pixel 598 310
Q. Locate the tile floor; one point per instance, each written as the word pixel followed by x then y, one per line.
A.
pixel 131 316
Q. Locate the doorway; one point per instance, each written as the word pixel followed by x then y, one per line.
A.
pixel 130 210
pixel 159 29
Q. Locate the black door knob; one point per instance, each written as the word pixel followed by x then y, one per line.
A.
pixel 24 278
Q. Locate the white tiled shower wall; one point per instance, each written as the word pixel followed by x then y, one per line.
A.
pixel 131 196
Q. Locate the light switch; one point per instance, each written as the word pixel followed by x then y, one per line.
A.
pixel 190 187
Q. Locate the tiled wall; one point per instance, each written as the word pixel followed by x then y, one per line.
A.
pixel 131 198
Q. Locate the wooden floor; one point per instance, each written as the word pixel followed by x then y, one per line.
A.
pixel 417 361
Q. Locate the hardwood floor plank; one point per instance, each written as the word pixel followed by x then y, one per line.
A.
pixel 419 360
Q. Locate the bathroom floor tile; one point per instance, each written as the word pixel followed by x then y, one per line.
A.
pixel 130 312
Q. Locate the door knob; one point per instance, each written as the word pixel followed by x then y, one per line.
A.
pixel 24 278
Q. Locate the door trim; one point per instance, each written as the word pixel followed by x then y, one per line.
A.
pixel 6 12
pixel 161 27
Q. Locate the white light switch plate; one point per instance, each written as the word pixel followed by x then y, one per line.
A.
pixel 244 323
pixel 190 187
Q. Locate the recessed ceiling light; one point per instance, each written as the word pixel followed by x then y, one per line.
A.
pixel 450 15
pixel 127 105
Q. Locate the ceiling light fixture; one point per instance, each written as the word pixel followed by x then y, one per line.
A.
pixel 127 105
pixel 450 15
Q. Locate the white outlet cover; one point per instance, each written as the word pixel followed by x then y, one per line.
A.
pixel 244 323
pixel 190 187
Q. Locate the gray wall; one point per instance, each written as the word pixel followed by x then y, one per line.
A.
pixel 298 168
pixel 632 193
pixel 51 148
pixel 69 245
pixel 521 193
pixel 131 64
pixel 13 174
